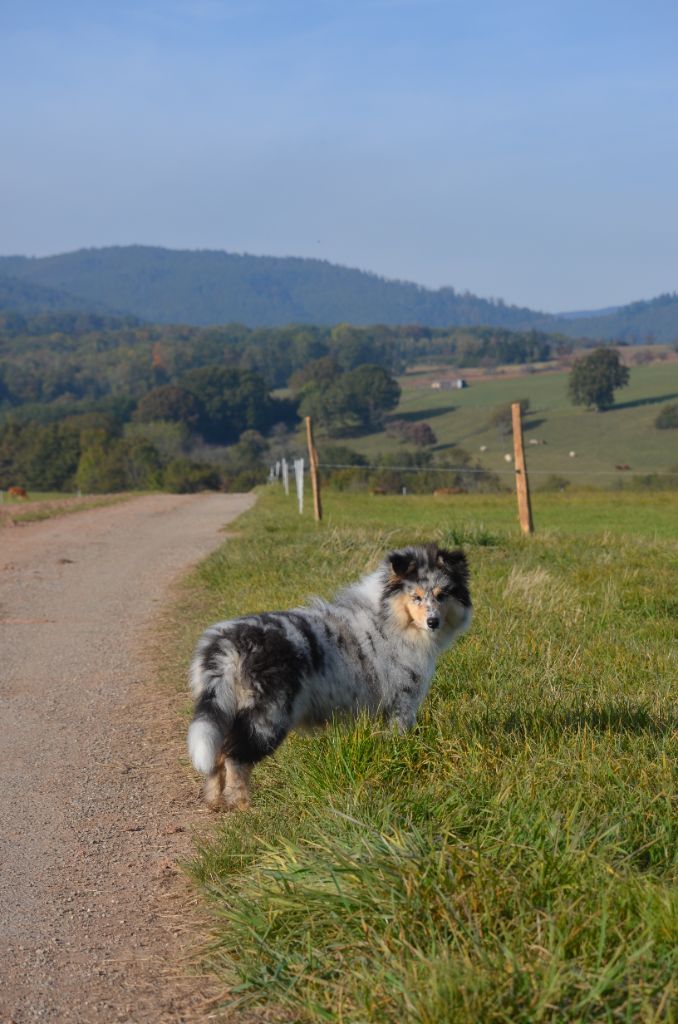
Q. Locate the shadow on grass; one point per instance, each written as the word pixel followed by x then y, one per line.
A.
pixel 424 414
pixel 604 718
pixel 654 400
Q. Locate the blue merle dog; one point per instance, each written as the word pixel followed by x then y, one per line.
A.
pixel 373 648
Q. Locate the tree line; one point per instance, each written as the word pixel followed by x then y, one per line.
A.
pixel 105 403
pixel 78 357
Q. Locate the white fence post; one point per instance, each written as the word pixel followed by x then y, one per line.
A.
pixel 299 479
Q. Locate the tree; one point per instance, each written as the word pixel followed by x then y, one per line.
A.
pixel 594 377
pixel 358 400
pixel 251 447
pixel 232 401
pixel 169 402
pixel 39 456
pixel 371 392
pixel 101 469
pixel 318 372
pixel 170 440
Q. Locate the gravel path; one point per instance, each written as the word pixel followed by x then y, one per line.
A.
pixel 94 811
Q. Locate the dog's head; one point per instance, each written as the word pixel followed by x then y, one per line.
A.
pixel 427 588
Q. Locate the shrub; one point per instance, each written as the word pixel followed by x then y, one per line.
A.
pixel 667 418
pixel 420 433
pixel 502 415
pixel 340 455
pixel 554 482
pixel 182 476
pixel 656 481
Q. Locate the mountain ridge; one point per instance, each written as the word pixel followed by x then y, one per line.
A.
pixel 206 286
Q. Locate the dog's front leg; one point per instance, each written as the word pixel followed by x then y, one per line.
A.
pixel 403 717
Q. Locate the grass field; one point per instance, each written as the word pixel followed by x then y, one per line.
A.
pixel 624 435
pixel 515 857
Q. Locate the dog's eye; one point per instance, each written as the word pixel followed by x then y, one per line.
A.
pixel 417 599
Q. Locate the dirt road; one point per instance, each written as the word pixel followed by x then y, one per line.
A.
pixel 94 812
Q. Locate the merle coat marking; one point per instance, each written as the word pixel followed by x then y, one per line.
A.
pixel 373 648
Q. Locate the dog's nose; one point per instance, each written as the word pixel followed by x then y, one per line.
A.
pixel 433 622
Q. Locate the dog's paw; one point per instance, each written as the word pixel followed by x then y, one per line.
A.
pixel 235 800
pixel 214 805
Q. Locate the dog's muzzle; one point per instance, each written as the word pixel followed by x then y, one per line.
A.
pixel 433 622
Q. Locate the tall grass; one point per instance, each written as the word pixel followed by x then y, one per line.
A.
pixel 513 858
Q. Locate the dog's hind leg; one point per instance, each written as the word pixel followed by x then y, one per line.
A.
pixel 236 795
pixel 214 785
pixel 227 787
pixel 251 738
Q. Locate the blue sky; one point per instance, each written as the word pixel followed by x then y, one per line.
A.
pixel 524 150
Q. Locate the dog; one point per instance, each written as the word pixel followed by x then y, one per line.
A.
pixel 373 648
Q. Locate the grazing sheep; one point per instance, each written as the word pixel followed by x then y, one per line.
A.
pixel 508 458
pixel 573 455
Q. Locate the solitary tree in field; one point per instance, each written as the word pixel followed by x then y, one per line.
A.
pixel 593 378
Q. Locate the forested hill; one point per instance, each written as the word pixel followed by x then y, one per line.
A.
pixel 30 299
pixel 209 287
pixel 206 287
pixel 647 321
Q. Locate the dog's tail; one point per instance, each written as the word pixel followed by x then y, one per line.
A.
pixel 212 677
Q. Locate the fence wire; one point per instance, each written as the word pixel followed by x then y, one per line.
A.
pixel 507 470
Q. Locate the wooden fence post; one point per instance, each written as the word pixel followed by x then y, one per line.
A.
pixel 313 469
pixel 522 484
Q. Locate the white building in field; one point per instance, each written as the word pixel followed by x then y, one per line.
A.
pixel 449 385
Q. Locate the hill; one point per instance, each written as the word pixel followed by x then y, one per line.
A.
pixel 205 287
pixel 30 299
pixel 647 321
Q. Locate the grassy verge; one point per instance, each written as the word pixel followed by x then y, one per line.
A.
pixel 515 857
pixel 15 511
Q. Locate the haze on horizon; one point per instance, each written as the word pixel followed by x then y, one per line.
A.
pixel 527 151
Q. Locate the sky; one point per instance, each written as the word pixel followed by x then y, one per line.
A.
pixel 520 149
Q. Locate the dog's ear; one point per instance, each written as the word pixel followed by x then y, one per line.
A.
pixel 453 562
pixel 402 564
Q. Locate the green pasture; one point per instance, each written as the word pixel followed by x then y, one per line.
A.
pixel 582 511
pixel 512 859
pixel 624 435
